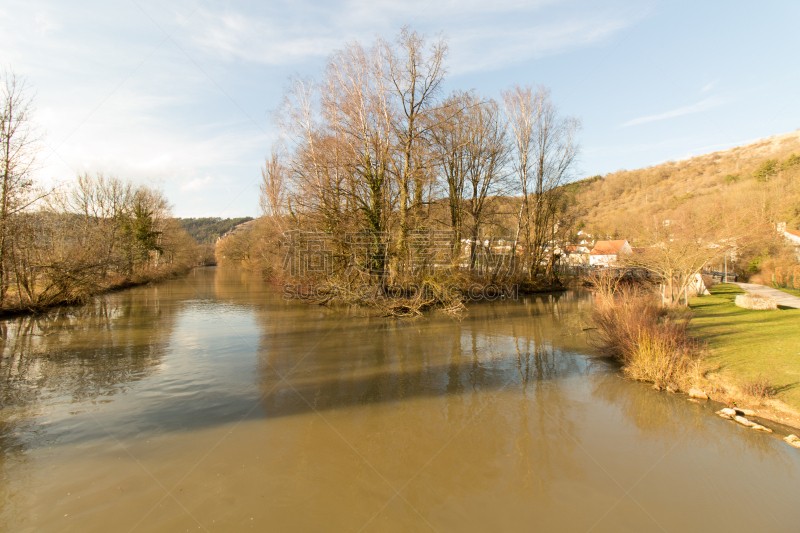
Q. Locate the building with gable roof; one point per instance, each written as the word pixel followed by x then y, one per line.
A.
pixel 607 253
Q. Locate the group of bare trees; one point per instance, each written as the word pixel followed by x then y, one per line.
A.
pixel 679 249
pixel 65 244
pixel 376 149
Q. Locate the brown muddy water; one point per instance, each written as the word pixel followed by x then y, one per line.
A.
pixel 210 404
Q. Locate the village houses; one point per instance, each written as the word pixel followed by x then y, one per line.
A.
pixel 607 253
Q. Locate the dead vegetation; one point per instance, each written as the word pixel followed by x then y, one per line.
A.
pixel 760 182
pixel 63 246
pixel 759 387
pixel 382 181
pixel 613 200
pixel 649 341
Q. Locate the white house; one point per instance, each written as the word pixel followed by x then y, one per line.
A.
pixel 575 254
pixel 585 238
pixel 607 253
pixel 793 236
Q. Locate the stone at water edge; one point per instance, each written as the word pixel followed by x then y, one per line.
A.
pixel 793 440
pixel 672 388
pixel 759 427
pixel 744 412
pixel 697 393
pixel 727 413
pixel 745 422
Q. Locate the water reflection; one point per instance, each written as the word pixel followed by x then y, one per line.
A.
pixel 333 360
pixel 661 417
pixel 307 418
pixel 78 355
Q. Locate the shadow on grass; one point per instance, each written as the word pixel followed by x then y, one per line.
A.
pixel 785 388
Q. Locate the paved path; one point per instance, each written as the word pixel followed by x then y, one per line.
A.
pixel 781 298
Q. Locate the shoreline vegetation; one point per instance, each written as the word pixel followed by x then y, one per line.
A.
pixel 742 359
pixel 64 245
pixel 98 235
pixel 110 285
pixel 382 180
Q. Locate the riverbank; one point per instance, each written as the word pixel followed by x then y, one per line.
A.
pixel 111 284
pixel 750 352
pixel 496 421
pixel 401 300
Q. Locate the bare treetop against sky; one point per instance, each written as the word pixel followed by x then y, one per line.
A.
pixel 179 94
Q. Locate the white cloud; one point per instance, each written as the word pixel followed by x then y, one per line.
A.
pixel 236 36
pixel 707 87
pixel 698 107
pixel 197 184
pixel 483 35
pixel 496 47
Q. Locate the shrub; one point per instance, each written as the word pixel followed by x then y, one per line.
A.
pixel 755 264
pixel 788 277
pixel 767 169
pixel 652 345
pixel 730 178
pixel 793 161
pixel 760 387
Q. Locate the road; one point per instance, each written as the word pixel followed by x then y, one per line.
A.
pixel 780 297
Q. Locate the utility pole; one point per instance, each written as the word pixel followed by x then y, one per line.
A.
pixel 726 268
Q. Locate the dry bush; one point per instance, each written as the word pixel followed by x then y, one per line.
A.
pixel 651 344
pixel 759 387
pixel 787 276
pixel 604 283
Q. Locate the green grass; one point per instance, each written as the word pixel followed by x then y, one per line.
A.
pixel 746 344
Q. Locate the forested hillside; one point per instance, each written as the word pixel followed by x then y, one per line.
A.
pixel 208 230
pixel 764 174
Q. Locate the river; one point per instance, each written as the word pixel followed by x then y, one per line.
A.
pixel 210 404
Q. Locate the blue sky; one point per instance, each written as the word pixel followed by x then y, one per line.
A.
pixel 179 94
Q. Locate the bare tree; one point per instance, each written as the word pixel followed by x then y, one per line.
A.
pixel 415 75
pixel 545 150
pixel 450 135
pixel 272 189
pixel 18 149
pixel 522 108
pixel 470 142
pixel 487 154
pixel 680 248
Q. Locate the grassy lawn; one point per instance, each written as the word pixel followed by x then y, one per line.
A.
pixel 746 344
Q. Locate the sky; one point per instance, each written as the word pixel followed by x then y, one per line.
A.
pixel 179 94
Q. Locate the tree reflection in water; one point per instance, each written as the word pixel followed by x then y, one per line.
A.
pixel 83 354
pixel 493 422
pixel 421 380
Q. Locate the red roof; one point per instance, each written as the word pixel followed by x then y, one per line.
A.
pixel 608 247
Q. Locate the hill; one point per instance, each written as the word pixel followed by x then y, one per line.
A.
pixel 766 171
pixel 208 230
